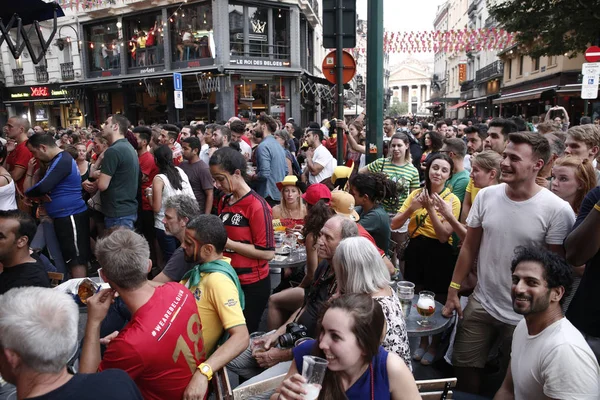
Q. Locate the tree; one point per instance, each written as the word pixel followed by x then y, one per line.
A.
pixel 549 27
pixel 397 109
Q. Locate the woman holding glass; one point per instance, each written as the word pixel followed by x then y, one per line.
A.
pixel 428 255
pixel 357 366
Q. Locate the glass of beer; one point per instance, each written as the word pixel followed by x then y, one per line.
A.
pixel 313 369
pixel 425 307
pixel 406 292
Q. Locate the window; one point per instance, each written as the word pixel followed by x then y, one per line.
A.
pixel 536 63
pixel 552 60
pixel 103 46
pixel 192 32
pixel 521 60
pixel 145 40
pixel 259 32
pixel 508 67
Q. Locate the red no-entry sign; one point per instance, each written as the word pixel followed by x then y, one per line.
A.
pixel 592 54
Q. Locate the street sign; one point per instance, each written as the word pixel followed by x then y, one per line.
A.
pixel 348 28
pixel 329 64
pixel 177 82
pixel 589 84
pixel 179 99
pixel 592 54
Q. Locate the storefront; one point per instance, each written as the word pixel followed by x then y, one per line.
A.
pixel 44 105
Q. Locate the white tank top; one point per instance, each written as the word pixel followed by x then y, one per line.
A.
pixel 8 201
pixel 169 191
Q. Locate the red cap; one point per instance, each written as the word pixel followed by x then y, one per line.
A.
pixel 316 192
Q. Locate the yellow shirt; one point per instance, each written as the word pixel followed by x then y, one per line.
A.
pixel 219 307
pixel 421 215
pixel 472 190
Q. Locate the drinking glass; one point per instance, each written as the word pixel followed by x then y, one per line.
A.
pixel 425 307
pixel 313 370
pixel 255 344
pixel 406 292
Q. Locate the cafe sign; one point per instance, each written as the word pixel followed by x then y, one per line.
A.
pixel 258 62
pixel 37 92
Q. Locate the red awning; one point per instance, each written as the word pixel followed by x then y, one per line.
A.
pixel 458 105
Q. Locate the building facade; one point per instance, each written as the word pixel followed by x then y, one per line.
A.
pixel 410 83
pixel 235 57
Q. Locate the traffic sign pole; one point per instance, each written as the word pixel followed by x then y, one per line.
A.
pixel 374 79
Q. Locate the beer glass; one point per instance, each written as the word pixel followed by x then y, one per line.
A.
pixel 406 292
pixel 425 307
pixel 313 370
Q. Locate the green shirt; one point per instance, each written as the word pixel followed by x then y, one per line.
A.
pixel 405 176
pixel 377 222
pixel 458 184
pixel 121 164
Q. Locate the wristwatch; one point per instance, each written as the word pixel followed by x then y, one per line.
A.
pixel 206 370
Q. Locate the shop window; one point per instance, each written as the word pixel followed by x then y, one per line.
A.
pixel 145 40
pixel 259 32
pixel 103 47
pixel 192 32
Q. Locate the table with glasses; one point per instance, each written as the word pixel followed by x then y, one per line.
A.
pixel 295 259
pixel 438 323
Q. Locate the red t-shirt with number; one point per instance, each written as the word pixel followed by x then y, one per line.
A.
pixel 19 158
pixel 162 345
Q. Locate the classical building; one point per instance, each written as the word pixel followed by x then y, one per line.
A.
pixel 410 82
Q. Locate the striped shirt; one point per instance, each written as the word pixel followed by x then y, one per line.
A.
pixel 406 177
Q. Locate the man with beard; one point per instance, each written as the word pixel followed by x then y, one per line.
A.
pixel 497 134
pixel 388 128
pixel 219 297
pixel 550 357
pixel 530 214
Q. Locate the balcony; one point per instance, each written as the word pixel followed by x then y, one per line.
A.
pixel 66 71
pixel 310 8
pixel 490 71
pixel 18 76
pixel 467 85
pixel 41 74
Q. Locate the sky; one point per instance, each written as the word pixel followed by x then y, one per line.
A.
pixel 405 15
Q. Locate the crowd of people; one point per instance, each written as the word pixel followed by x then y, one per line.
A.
pixel 497 218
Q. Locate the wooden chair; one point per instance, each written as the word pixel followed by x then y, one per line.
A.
pixel 221 385
pixel 56 278
pixel 438 389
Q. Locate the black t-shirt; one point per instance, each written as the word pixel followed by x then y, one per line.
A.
pixel 112 384
pixel 584 310
pixel 323 287
pixel 27 274
pixel 177 266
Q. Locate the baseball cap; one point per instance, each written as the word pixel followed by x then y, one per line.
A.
pixel 316 192
pixel 343 203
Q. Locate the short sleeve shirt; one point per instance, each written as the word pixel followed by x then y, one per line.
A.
pixel 248 220
pixel 471 190
pixel 200 179
pixel 162 345
pixel 19 158
pixel 422 218
pixel 458 184
pixel 323 157
pixel 406 177
pixel 149 169
pixel 121 163
pixel 219 307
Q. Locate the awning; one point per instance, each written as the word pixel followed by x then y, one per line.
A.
pixel 524 95
pixel 482 99
pixel 62 100
pixel 442 99
pixel 574 89
pixel 458 105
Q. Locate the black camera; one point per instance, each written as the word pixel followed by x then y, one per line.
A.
pixel 294 332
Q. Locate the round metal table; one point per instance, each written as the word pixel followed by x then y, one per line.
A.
pixel 292 260
pixel 438 324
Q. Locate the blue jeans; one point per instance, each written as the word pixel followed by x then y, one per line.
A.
pixel 125 221
pixel 45 237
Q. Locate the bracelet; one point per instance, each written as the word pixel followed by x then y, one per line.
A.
pixel 596 207
pixel 454 285
pixel 29 175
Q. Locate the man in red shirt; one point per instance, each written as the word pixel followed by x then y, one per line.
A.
pixel 168 135
pixel 145 221
pixel 162 346
pixel 18 154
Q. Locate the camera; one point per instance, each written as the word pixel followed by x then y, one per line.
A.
pixel 294 332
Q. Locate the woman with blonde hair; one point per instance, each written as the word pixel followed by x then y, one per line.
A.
pixel 291 211
pixel 572 179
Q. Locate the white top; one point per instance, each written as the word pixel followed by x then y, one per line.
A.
pixel 246 149
pixel 543 219
pixel 169 191
pixel 557 363
pixel 187 36
pixel 467 162
pixel 323 157
pixel 8 201
pixel 204 153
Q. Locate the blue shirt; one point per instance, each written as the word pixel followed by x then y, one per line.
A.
pixel 361 390
pixel 62 183
pixel 271 168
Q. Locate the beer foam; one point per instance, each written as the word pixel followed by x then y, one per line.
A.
pixel 425 302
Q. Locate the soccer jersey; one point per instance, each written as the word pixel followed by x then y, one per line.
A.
pixel 406 177
pixel 249 220
pixel 162 345
pixel 472 190
pixel 19 158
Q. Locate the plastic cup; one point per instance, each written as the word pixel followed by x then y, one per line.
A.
pixel 254 343
pixel 313 370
